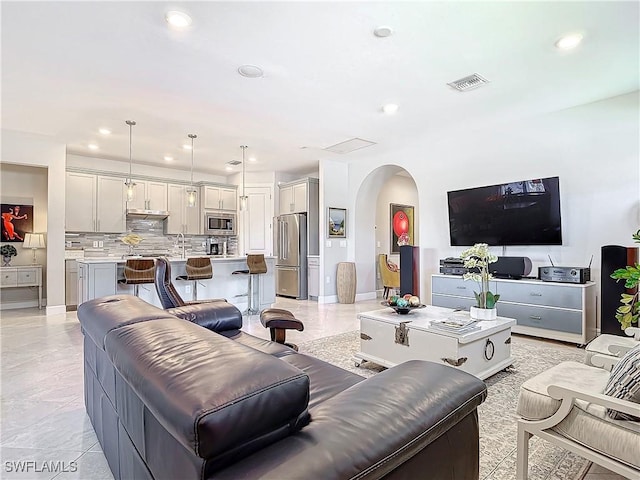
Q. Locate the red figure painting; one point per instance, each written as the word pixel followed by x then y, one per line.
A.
pixel 16 221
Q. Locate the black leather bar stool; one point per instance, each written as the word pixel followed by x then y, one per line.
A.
pixel 257 266
pixel 198 268
pixel 138 271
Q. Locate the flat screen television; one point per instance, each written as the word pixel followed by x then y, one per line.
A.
pixel 515 213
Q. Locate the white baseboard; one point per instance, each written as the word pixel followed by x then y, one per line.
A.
pixel 328 299
pixel 56 309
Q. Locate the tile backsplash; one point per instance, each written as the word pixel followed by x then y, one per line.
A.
pixel 154 241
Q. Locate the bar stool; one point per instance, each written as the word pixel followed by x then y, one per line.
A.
pixel 198 268
pixel 257 266
pixel 138 271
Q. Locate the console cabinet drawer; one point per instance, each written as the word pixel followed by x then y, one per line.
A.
pixel 8 278
pixel 28 277
pixel 457 303
pixel 540 294
pixel 455 286
pixel 542 317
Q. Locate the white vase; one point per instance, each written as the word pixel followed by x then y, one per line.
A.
pixel 483 313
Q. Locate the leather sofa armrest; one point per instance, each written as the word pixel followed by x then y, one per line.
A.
pixel 375 426
pixel 217 316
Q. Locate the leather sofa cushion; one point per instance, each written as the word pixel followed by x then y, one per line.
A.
pixel 101 315
pixel 220 399
pixel 217 316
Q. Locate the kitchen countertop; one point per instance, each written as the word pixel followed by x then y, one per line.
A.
pixel 114 259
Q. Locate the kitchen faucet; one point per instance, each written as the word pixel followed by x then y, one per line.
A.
pixel 176 244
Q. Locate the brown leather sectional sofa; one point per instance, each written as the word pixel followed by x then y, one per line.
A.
pixel 171 399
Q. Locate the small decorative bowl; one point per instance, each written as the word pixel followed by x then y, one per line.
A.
pixel 402 310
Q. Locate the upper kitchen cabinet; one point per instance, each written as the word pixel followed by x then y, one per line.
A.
pixel 219 198
pixel 182 218
pixel 149 195
pixel 110 205
pixel 94 203
pixel 299 196
pixel 80 202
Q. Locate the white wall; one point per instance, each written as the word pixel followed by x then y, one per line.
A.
pixel 39 151
pixel 593 148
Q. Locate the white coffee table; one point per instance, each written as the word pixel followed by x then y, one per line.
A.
pixel 388 338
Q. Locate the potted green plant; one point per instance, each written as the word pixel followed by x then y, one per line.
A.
pixel 629 310
pixel 477 260
pixel 7 251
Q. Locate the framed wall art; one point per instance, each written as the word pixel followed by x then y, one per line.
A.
pixel 401 218
pixel 337 223
pixel 16 221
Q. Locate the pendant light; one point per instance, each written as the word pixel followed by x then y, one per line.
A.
pixel 243 197
pixel 129 182
pixel 191 191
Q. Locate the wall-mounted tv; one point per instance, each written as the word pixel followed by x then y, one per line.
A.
pixel 515 213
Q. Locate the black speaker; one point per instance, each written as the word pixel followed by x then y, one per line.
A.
pixel 511 267
pixel 409 270
pixel 613 258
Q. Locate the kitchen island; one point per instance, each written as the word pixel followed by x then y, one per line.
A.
pixel 99 276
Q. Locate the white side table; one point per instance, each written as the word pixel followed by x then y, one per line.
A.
pixel 22 276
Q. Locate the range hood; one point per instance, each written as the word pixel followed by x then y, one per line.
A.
pixel 142 214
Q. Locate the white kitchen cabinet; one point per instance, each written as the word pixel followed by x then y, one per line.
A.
pixel 298 196
pixel 80 202
pixel 110 205
pixel 94 203
pixel 182 218
pixel 219 198
pixel 149 195
pixel 71 282
pixel 313 274
pixel 96 280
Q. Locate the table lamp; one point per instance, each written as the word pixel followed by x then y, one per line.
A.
pixel 33 241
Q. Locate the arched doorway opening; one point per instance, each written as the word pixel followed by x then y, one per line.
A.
pixel 387 184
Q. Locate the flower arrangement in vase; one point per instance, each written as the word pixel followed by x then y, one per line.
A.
pixel 133 240
pixel 7 251
pixel 477 260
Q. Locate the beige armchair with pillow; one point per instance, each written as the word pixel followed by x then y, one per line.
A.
pixel 587 410
pixel 612 345
pixel 389 274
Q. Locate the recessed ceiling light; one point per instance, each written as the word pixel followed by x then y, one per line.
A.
pixel 178 19
pixel 390 108
pixel 105 131
pixel 383 31
pixel 252 159
pixel 569 42
pixel 186 146
pixel 168 158
pixel 228 168
pixel 250 71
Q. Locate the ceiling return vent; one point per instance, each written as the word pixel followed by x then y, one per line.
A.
pixel 468 83
pixel 234 162
pixel 349 146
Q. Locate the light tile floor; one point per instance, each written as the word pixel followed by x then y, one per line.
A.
pixel 44 430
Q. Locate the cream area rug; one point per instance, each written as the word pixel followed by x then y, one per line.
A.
pixel 497 415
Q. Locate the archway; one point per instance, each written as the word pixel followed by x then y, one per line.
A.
pixel 365 223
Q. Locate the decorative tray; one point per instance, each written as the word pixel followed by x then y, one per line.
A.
pixel 402 310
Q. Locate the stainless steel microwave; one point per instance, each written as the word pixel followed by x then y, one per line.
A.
pixel 216 223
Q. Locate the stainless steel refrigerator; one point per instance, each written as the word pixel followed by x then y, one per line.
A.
pixel 291 250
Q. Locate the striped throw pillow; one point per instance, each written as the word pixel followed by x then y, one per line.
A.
pixel 624 382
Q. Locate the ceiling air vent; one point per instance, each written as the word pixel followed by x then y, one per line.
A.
pixel 349 145
pixel 468 83
pixel 234 162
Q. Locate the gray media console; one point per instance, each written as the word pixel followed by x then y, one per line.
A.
pixel 559 311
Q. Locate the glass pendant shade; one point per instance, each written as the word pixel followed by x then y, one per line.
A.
pixel 131 186
pixel 243 198
pixel 243 202
pixel 191 191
